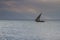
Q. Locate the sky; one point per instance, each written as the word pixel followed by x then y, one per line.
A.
pixel 29 9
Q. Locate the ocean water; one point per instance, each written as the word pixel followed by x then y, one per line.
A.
pixel 29 30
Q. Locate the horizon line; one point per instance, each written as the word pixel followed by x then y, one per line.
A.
pixel 33 19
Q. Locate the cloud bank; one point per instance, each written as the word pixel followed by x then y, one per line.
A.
pixel 32 8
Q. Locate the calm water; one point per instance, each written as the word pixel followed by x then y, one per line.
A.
pixel 29 30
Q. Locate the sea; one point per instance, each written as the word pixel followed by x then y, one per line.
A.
pixel 29 30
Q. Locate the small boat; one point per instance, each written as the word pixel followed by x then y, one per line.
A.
pixel 38 18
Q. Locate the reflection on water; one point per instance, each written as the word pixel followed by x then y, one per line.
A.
pixel 29 30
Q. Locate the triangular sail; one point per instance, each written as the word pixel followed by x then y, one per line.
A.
pixel 38 18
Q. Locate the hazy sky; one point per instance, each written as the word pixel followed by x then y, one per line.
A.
pixel 29 9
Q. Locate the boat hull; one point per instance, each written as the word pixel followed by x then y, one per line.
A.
pixel 40 21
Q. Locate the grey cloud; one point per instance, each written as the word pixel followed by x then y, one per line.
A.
pixel 13 15
pixel 11 0
pixel 49 9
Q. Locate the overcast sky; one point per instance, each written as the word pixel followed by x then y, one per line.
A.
pixel 29 9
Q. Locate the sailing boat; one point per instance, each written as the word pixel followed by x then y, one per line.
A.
pixel 38 18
